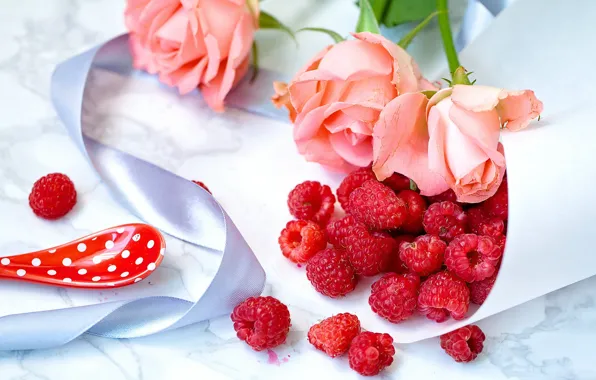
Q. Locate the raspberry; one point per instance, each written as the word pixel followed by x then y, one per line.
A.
pixel 371 352
pixel 482 224
pixel 377 206
pixel 369 253
pixel 394 296
pixel 445 219
pixel 395 264
pixel 262 322
pixel 334 335
pixel 203 186
pixel 52 196
pixel 443 294
pixel 353 181
pixel 301 240
pixel 479 290
pixel 472 257
pixel 446 196
pixel 416 206
pixel 463 344
pixel 311 201
pixel 423 256
pixel 339 230
pixel 397 182
pixel 498 204
pixel 331 273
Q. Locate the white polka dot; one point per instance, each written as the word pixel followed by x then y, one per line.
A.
pixel 52 272
pixel 96 278
pixel 139 261
pixel 96 259
pixel 120 230
pixel 109 244
pixel 137 237
pixel 125 253
pixel 151 266
pixel 66 262
pixel 36 262
pixel 95 238
pixel 124 274
pixel 5 261
pixel 138 279
pixel 162 251
pixel 82 247
pixel 21 272
pixel 150 244
pixel 112 284
pixel 82 271
pixel 52 251
pixel 67 280
pixel 111 268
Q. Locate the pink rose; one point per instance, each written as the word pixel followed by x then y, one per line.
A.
pixel 336 99
pixel 193 43
pixel 451 140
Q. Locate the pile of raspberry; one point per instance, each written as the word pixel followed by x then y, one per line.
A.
pixel 433 255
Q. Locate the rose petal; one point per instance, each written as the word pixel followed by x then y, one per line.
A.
pixel 318 149
pixel 359 154
pixel 497 173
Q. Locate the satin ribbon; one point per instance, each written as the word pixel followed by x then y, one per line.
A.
pixel 193 215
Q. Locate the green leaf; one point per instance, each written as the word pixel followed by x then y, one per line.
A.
pixel 413 186
pixel 395 12
pixel 336 36
pixel 366 20
pixel 267 21
pixel 407 39
pixel 379 8
pixel 255 62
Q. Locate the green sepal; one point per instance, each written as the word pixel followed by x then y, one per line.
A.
pixel 267 21
pixel 367 21
pixel 336 36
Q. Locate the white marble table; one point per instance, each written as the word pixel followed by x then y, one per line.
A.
pixel 548 338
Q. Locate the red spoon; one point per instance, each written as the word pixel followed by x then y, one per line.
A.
pixel 110 258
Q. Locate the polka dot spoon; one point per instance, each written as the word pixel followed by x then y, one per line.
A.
pixel 114 257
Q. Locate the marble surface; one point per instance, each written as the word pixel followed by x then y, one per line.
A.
pixel 547 338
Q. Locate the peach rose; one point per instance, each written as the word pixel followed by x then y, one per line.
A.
pixel 336 99
pixel 193 43
pixel 451 140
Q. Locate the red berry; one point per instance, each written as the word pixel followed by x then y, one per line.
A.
pixel 498 204
pixel 353 181
pixel 472 257
pixel 331 273
pixel 479 290
pixel 424 255
pixel 371 352
pixel 334 334
pixel 396 265
pixel 394 296
pixel 446 196
pixel 445 219
pixel 443 294
pixel 203 186
pixel 339 230
pixel 377 206
pixel 397 182
pixel 463 344
pixel 370 253
pixel 262 322
pixel 52 196
pixel 301 240
pixel 311 201
pixel 416 206
pixel 482 224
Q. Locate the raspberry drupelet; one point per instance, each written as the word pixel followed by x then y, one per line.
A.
pixel 394 296
pixel 463 344
pixel 334 334
pixel 312 201
pixel 351 182
pixel 416 207
pixel 442 295
pixel 371 352
pixel 301 240
pixel 445 219
pixel 52 196
pixel 479 290
pixel 331 273
pixel 472 257
pixel 424 255
pixel 397 182
pixel 370 253
pixel 498 205
pixel 377 206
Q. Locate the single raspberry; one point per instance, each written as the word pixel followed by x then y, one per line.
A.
pixel 416 206
pixel 479 290
pixel 396 265
pixel 377 206
pixel 463 344
pixel 52 196
pixel 370 253
pixel 353 181
pixel 397 182
pixel 371 352
pixel 331 273
pixel 203 186
pixel 334 334
pixel 312 201
pixel 446 196
pixel 482 224
pixel 262 322
pixel 445 219
pixel 301 240
pixel 339 230
pixel 394 296
pixel 424 255
pixel 443 294
pixel 472 257
pixel 498 204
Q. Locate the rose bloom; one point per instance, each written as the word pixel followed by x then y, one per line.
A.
pixel 336 99
pixel 193 43
pixel 451 140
